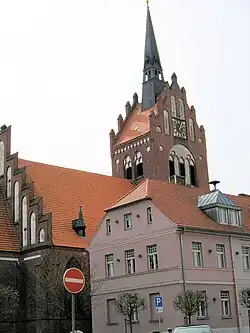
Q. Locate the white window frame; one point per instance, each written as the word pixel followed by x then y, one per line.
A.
pixel 108 227
pixel 130 261
pixel 149 215
pixel 110 265
pixel 128 221
pixel 152 257
pixel 33 228
pixel 41 235
pixel 135 317
pixel 8 182
pixel 197 254
pixel 245 257
pixel 16 201
pixel 2 148
pixel 221 257
pixel 166 121
pixel 225 299
pixel 25 221
pixel 202 311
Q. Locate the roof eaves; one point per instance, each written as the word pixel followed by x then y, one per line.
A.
pixel 208 230
pixel 127 203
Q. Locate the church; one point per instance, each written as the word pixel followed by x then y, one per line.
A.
pixel 154 226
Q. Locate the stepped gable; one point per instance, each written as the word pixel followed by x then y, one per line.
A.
pixel 63 190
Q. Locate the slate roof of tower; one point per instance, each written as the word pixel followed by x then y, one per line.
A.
pixel 64 190
pixel 179 203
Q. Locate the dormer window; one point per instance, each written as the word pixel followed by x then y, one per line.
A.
pixel 220 207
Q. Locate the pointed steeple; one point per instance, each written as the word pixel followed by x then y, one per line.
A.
pixel 153 80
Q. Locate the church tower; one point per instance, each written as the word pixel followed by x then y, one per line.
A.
pixel 159 138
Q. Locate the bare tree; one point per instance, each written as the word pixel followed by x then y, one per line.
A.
pixel 188 303
pixel 130 304
pixel 244 298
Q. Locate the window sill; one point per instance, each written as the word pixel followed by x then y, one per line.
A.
pixel 226 317
pixel 203 318
pixel 112 324
pixel 153 321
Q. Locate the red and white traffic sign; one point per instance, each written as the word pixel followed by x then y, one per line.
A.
pixel 74 280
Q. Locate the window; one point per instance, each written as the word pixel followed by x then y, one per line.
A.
pixel 128 221
pixel 173 107
pixel 171 166
pixel 166 121
pixel 16 201
pixel 229 216
pixel 111 311
pixel 152 257
pixel 108 227
pixel 245 257
pixel 127 167
pixel 197 254
pixel 225 304
pixel 109 258
pixel 33 228
pixel 191 129
pixel 25 221
pixel 1 158
pixel 182 167
pixel 138 164
pixel 153 314
pixel 149 215
pixel 202 312
pixel 130 261
pixel 181 108
pixel 220 251
pixel 192 173
pixel 8 185
pixel 41 236
pixel 135 317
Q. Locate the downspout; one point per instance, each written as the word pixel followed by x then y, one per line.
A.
pixel 234 284
pixel 182 259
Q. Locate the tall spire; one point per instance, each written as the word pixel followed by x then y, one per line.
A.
pixel 153 80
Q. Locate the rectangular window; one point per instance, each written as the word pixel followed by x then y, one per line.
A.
pixel 225 304
pixel 109 259
pixel 220 251
pixel 153 314
pixel 130 261
pixel 245 257
pixel 127 221
pixel 149 215
pixel 108 227
pixel 111 311
pixel 202 312
pixel 197 254
pixel 135 317
pixel 152 257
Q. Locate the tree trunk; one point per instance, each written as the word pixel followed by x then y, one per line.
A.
pixel 189 319
pixel 130 324
pixel 248 311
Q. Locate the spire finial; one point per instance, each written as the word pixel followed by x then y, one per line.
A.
pixel 147 2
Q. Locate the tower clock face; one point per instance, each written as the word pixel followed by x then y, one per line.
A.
pixel 179 128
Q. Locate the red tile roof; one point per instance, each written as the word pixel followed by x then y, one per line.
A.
pixel 179 203
pixel 136 125
pixel 64 190
pixel 8 238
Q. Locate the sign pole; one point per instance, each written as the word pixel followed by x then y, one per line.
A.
pixel 73 312
pixel 159 323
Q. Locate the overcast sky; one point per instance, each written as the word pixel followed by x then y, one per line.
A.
pixel 67 69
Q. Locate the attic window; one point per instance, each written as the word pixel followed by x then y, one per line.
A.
pixel 220 208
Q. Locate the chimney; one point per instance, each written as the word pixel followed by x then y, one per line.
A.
pixel 214 183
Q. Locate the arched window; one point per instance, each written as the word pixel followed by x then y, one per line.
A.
pixel 138 164
pixel 182 167
pixel 166 121
pixel 1 158
pixel 181 108
pixel 25 221
pixel 171 166
pixel 16 201
pixel 127 167
pixel 33 228
pixel 191 129
pixel 8 182
pixel 173 107
pixel 192 173
pixel 41 236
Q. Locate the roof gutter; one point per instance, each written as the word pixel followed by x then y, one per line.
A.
pixel 206 230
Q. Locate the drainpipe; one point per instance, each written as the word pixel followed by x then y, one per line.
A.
pixel 234 284
pixel 182 258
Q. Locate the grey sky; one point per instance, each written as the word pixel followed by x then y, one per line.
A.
pixel 67 69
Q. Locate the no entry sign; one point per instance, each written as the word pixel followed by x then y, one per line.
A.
pixel 74 280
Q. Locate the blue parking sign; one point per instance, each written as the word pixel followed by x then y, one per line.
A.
pixel 158 304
